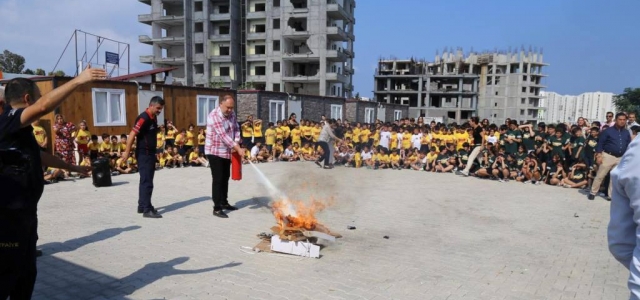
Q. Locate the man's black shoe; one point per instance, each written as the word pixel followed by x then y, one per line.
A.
pixel 318 163
pixel 141 210
pixel 220 214
pixel 38 253
pixel 152 214
pixel 591 197
pixel 229 207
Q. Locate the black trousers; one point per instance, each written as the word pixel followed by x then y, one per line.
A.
pixel 147 169
pixel 326 155
pixel 18 238
pixel 220 173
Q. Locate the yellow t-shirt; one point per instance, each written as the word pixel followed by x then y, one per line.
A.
pixel 180 139
pixel 426 139
pixel 462 138
pixel 247 130
pixel 431 157
pixel 364 135
pixel 412 158
pixel 279 148
pixel 121 163
pixel 394 140
pixel 105 147
pixel 39 133
pixel 356 135
pixel 286 132
pixel 358 158
pixel 376 138
pixel 190 139
pixel 93 146
pixel 83 137
pixel 383 158
pixel 201 138
pixel 307 150
pixel 85 163
pixel 279 133
pixel 171 134
pixel 306 131
pixel 406 140
pixel 394 158
pixel 316 133
pixel 159 140
pixel 257 129
pixel 193 156
pixel 296 135
pixel 270 136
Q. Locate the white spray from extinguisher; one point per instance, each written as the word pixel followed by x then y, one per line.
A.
pixel 275 193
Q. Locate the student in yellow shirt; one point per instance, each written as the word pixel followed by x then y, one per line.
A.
pixel 160 140
pixel 170 137
pixel 316 132
pixel 181 139
pixel 246 130
pixel 383 159
pixel 357 157
pixel 105 145
pixel 411 159
pixel 307 152
pixel 94 147
pixel 286 134
pixel 40 134
pixel 257 131
pixel 296 135
pixel 307 132
pixel 431 158
pixel 356 135
pixel 270 136
pixel 190 139
pixel 196 158
pixel 393 143
pixel 201 140
pixel 82 137
pixel 278 150
pixel 395 160
pixel 122 166
pixel 376 136
pixel 461 138
pixel 365 135
pixel 279 132
pixel 425 142
pixel 406 139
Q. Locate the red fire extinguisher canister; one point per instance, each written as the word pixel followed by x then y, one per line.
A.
pixel 236 166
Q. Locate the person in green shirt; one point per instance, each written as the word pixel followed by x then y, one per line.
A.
pixel 514 137
pixel 590 146
pixel 577 144
pixel 559 142
pixel 528 137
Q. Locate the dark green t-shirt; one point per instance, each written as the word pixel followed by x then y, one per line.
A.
pixel 511 148
pixel 528 141
pixel 557 144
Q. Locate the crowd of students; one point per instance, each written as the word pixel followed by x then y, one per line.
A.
pixel 554 154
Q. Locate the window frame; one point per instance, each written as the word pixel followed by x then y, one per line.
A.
pixel 397 115
pixel 369 113
pixel 335 116
pixel 123 104
pixel 282 110
pixel 207 98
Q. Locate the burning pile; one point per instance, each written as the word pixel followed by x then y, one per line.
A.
pixel 297 220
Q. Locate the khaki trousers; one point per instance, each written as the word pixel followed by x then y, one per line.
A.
pixel 608 163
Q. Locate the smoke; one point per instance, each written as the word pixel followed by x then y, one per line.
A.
pixel 276 193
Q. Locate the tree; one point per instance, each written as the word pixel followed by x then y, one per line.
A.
pixel 40 72
pixel 58 73
pixel 11 62
pixel 28 72
pixel 628 101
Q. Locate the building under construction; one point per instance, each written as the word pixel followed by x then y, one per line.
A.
pixel 455 86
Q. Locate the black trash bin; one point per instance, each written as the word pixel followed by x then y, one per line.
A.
pixel 101 172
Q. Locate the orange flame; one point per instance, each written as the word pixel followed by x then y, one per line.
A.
pixel 303 216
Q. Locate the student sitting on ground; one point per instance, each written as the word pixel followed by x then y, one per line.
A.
pixel 255 152
pixel 122 166
pixel 177 158
pixel 197 159
pixel 577 177
pixel 86 162
pixel 288 154
pixel 394 160
pixel 555 171
pixel 53 175
pixel 94 147
pixel 420 163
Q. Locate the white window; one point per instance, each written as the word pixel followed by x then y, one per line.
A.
pixel 369 115
pixel 336 111
pixel 397 115
pixel 276 111
pixel 109 107
pixel 206 104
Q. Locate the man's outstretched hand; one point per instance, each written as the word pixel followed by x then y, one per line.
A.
pixel 92 74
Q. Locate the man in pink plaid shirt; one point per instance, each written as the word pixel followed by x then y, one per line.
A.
pixel 223 138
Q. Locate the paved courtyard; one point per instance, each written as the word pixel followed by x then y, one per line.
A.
pixel 449 238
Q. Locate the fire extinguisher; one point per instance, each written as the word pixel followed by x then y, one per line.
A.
pixel 236 166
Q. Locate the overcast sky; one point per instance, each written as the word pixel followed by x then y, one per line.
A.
pixel 591 45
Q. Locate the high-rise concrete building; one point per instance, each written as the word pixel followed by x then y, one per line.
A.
pixel 294 46
pixel 444 92
pixel 493 85
pixel 568 108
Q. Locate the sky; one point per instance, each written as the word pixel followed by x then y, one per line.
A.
pixel 591 45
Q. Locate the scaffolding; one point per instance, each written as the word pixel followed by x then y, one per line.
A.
pixel 86 53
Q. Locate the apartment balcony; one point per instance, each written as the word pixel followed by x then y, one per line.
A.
pixel 351 36
pixel 300 57
pixel 336 11
pixel 337 77
pixel 256 57
pixel 163 41
pixel 253 36
pixel 348 87
pixel 349 70
pixel 397 91
pixel 336 55
pixel 257 78
pixel 171 61
pixel 257 15
pixel 288 77
pixel 219 17
pixel 349 53
pixel 225 79
pixel 295 35
pixel 451 91
pixel 336 33
pixel 220 58
pixel 162 20
pixel 220 37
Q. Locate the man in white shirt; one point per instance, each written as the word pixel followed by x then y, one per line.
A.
pixel 255 150
pixel 385 137
pixel 416 139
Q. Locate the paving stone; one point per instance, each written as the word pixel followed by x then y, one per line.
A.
pixel 450 238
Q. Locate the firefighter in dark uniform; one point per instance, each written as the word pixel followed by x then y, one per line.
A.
pixel 144 132
pixel 21 178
